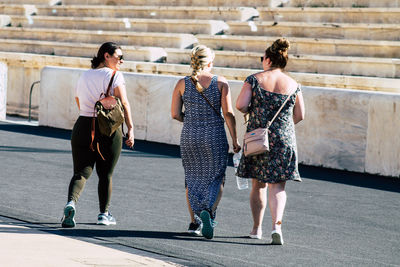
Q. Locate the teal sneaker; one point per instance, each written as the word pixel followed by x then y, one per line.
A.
pixel 208 224
pixel 68 220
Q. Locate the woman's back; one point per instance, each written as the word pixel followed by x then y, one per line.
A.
pixel 197 110
pixel 276 81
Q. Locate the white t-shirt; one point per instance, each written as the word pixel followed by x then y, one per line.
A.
pixel 92 84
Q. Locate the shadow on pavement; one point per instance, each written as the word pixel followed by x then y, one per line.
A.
pixel 385 183
pixel 109 233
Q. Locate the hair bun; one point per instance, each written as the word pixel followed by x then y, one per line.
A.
pixel 281 46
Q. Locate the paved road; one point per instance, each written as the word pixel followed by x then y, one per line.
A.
pixel 333 218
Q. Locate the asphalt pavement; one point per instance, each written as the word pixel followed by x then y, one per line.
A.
pixel 332 218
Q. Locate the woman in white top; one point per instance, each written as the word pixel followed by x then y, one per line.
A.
pixel 91 85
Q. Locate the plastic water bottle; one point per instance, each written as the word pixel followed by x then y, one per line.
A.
pixel 242 183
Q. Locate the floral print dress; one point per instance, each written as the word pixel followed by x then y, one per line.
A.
pixel 280 163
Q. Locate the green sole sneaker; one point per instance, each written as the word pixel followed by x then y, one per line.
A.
pixel 276 238
pixel 208 228
pixel 68 220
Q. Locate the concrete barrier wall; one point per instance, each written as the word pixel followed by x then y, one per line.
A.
pixel 343 129
pixel 3 90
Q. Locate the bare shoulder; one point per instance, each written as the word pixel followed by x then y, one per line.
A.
pixel 222 83
pixel 290 81
pixel 222 79
pixel 180 83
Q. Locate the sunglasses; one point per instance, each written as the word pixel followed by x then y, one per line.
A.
pixel 121 57
pixel 262 59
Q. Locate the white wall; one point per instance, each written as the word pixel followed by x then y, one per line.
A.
pixel 344 129
pixel 3 90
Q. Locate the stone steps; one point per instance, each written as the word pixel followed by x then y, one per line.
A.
pixel 154 12
pixel 389 32
pixel 36 62
pixel 327 47
pixel 359 66
pixel 85 36
pixel 132 53
pixel 331 15
pixel 121 24
pixel 340 3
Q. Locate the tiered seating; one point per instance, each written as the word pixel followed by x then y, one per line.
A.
pixel 334 44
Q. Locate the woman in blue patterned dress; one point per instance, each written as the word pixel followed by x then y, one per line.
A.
pixel 262 95
pixel 204 146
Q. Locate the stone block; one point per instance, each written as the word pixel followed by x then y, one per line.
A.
pixel 334 133
pixel 383 145
pixel 3 90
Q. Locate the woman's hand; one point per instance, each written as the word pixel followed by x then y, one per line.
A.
pixel 236 146
pixel 130 141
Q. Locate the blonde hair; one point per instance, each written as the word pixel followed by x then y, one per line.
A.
pixel 278 53
pixel 201 56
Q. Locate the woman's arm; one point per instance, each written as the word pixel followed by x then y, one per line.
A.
pixel 226 104
pixel 244 98
pixel 299 110
pixel 120 92
pixel 176 105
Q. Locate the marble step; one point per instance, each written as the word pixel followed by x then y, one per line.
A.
pixel 357 66
pixel 331 15
pixel 132 53
pixel 120 24
pixel 153 12
pixel 226 3
pixel 340 3
pixel 172 40
pixel 314 46
pixel 389 32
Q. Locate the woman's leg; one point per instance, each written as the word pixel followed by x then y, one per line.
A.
pixel 257 204
pixel 277 202
pixel 191 213
pixel 110 148
pixel 219 196
pixel 83 158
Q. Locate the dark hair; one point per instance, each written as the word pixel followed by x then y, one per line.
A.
pixel 278 53
pixel 109 48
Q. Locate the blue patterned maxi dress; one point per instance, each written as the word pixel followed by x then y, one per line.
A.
pixel 280 163
pixel 204 147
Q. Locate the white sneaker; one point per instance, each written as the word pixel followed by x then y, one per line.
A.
pixel 256 236
pixel 68 220
pixel 277 238
pixel 106 219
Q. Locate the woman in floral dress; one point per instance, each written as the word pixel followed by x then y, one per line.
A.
pixel 261 97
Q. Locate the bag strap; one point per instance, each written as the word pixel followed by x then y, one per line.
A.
pixel 110 84
pixel 93 128
pixel 277 113
pixel 208 101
